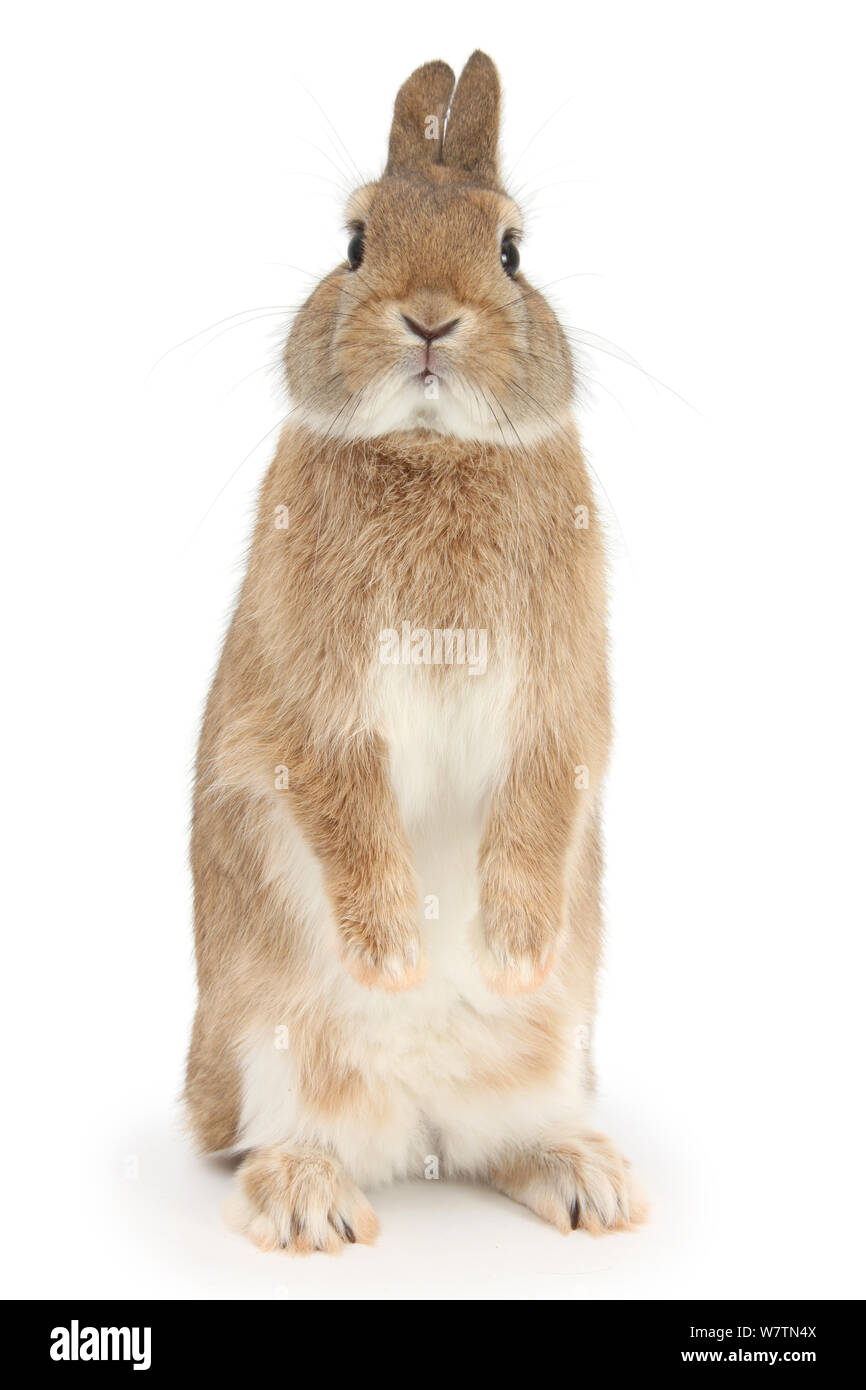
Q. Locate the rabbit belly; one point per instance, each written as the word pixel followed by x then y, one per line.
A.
pixel 447 1069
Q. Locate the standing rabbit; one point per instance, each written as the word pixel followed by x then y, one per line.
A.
pixel 396 827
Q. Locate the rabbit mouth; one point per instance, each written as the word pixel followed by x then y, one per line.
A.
pixel 427 361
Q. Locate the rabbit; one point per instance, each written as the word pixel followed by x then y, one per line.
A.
pixel 396 844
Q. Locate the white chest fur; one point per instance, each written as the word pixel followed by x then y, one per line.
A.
pixel 448 743
pixel 447 739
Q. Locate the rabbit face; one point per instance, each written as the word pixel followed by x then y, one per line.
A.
pixel 429 324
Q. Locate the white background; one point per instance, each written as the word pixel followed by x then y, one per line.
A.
pixel 693 179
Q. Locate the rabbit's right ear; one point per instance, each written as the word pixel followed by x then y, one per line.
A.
pixel 419 118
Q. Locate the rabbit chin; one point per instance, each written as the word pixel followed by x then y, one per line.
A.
pixel 454 411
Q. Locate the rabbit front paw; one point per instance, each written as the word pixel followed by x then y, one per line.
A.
pixel 382 953
pixel 520 947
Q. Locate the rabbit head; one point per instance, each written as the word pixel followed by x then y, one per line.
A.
pixel 429 324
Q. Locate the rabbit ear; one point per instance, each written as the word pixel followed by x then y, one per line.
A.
pixel 419 118
pixel 472 136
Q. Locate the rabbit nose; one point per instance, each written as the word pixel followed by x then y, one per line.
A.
pixel 429 335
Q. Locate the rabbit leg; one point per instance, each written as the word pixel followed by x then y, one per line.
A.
pixel 584 1182
pixel 537 820
pixel 299 1199
pixel 347 809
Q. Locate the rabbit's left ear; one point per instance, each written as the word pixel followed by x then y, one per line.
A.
pixel 472 132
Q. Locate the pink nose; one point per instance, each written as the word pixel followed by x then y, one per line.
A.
pixel 429 335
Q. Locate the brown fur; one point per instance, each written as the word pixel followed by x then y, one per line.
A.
pixel 456 534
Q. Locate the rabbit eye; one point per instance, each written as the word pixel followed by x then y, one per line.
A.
pixel 509 255
pixel 355 253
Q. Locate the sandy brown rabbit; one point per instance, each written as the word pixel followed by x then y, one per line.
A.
pixel 396 830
